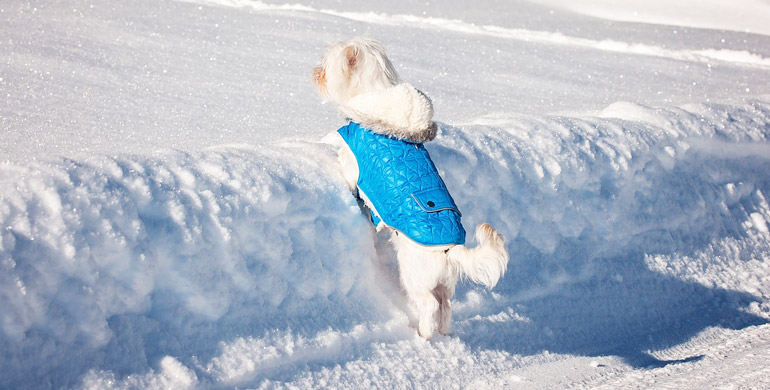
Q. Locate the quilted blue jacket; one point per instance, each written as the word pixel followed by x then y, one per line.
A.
pixel 402 183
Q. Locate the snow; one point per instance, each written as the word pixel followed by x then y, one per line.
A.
pixel 171 213
pixel 713 14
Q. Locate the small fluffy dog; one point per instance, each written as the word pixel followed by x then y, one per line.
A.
pixel 385 163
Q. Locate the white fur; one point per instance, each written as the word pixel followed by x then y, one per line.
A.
pixel 400 111
pixel 354 67
pixel 429 273
pixel 360 79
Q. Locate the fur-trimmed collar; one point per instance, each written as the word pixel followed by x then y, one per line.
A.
pixel 401 111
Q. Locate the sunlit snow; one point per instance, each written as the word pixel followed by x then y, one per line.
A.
pixel 172 216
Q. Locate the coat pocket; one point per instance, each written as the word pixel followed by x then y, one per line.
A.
pixel 432 200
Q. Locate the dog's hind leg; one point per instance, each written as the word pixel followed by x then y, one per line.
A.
pixel 427 312
pixel 425 277
pixel 443 295
pixel 425 304
pixel 418 284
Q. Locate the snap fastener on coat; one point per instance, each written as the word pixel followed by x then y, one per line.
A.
pixel 431 204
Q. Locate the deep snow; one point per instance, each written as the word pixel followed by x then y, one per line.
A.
pixel 172 215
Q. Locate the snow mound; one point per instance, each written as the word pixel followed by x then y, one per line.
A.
pixel 233 266
pixel 94 253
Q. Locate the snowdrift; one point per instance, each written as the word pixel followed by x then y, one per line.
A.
pixel 629 232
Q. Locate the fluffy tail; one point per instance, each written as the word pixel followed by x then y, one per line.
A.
pixel 486 263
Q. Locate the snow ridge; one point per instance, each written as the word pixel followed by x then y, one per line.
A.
pixel 187 259
pixel 735 57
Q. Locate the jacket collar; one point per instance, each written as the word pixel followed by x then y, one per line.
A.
pixel 401 111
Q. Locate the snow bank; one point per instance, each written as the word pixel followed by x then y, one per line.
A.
pixel 744 58
pixel 234 265
pixel 228 237
pixel 744 15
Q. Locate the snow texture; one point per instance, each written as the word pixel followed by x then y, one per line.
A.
pixel 172 215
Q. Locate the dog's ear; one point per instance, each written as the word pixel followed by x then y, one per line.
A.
pixel 351 54
pixel 319 75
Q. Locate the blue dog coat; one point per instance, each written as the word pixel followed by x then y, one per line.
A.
pixel 402 184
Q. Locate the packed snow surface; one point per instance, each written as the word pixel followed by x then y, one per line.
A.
pixel 172 215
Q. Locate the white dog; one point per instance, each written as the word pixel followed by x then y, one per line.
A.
pixel 383 160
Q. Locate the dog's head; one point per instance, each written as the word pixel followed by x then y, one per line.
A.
pixel 353 67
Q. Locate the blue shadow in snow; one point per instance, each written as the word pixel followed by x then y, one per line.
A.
pixel 595 294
